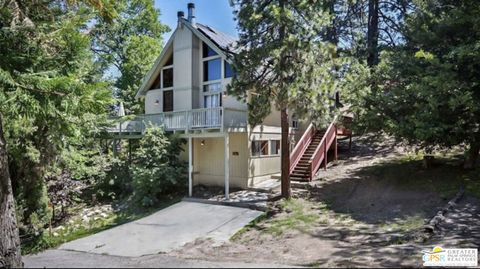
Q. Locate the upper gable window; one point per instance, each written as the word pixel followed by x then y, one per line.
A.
pixel 228 70
pixel 212 70
pixel 207 51
pixel 169 61
pixel 167 75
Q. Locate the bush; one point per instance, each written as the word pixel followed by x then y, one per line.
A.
pixel 118 181
pixel 157 169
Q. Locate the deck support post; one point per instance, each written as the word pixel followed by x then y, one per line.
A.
pixel 190 166
pixel 227 166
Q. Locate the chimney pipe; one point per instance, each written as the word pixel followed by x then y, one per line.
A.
pixel 191 13
pixel 180 15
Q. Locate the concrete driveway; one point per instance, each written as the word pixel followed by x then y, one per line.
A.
pixel 166 230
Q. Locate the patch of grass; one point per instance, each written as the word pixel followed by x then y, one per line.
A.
pixel 299 215
pixel 252 225
pixel 76 228
pixel 409 223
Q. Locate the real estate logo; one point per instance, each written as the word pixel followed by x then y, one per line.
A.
pixel 461 257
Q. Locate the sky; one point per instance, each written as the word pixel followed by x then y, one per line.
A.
pixel 215 13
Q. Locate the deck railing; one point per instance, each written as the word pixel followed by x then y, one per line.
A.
pixel 320 153
pixel 301 146
pixel 203 118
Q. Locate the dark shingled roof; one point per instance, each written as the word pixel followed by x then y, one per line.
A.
pixel 222 40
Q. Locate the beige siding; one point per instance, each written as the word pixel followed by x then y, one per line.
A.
pixel 153 101
pixel 262 167
pixel 208 161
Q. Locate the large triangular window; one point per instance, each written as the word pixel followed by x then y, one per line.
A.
pixel 207 51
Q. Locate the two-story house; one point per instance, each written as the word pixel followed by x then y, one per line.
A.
pixel 185 92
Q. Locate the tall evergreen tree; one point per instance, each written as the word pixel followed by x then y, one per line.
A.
pixel 127 46
pixel 281 63
pixel 49 96
pixel 430 87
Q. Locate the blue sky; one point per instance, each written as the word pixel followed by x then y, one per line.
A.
pixel 215 13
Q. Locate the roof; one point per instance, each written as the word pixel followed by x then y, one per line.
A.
pixel 222 40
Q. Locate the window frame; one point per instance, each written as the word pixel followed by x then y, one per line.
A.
pixel 254 154
pixel 161 77
pixel 164 99
pixel 278 147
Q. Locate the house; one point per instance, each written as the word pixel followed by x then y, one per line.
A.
pixel 185 92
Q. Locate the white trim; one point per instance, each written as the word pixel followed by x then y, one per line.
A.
pixel 227 166
pixel 190 166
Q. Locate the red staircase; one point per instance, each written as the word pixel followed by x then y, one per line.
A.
pixel 311 151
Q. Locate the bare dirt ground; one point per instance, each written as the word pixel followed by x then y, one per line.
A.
pixel 367 210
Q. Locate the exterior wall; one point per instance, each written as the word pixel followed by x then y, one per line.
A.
pixel 208 161
pixel 182 69
pixel 151 107
pixel 196 76
pixel 261 168
pixel 230 101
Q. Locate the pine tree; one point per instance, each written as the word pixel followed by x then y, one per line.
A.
pixel 50 95
pixel 281 63
pixel 430 87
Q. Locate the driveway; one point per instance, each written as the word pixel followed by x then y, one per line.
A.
pixel 166 230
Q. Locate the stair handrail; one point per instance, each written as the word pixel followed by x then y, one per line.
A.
pixel 325 143
pixel 301 146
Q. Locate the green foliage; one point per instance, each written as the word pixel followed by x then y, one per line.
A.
pixel 118 181
pixel 157 168
pixel 129 44
pixel 50 96
pixel 298 216
pixel 429 89
pixel 280 60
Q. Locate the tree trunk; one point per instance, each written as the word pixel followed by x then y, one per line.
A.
pixel 332 28
pixel 372 33
pixel 285 148
pixel 472 156
pixel 9 239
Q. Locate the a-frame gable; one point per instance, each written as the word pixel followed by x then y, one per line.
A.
pixel 150 77
pixel 155 70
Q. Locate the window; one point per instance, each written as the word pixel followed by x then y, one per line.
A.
pixel 212 70
pixel 259 148
pixel 156 84
pixel 207 51
pixel 228 70
pixel 167 78
pixel 274 147
pixel 294 123
pixel 169 61
pixel 167 101
pixel 213 87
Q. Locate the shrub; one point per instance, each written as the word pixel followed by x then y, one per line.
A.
pixel 157 168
